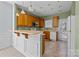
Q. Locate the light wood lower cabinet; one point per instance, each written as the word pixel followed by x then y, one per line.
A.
pixel 47 35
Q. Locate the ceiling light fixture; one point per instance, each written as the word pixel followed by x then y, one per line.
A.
pixel 49 4
pixel 30 9
pixel 58 1
pixel 60 6
pixel 59 10
pixel 17 14
pixel 30 5
pixel 22 11
pixel 51 8
pixel 40 7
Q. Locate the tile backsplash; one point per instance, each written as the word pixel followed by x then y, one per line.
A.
pixel 28 28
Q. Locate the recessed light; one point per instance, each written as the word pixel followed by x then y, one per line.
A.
pixel 59 10
pixel 58 1
pixel 41 7
pixel 30 5
pixel 30 9
pixel 60 6
pixel 51 8
pixel 49 4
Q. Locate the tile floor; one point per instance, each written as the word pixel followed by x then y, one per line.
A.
pixel 55 49
pixel 10 52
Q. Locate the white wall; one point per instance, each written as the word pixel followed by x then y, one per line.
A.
pixel 77 27
pixel 5 24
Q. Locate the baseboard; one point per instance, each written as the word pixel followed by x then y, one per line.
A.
pixel 71 53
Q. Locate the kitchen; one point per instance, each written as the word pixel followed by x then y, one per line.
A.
pixel 38 29
pixel 35 32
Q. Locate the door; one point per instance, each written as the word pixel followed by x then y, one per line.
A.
pixel 71 35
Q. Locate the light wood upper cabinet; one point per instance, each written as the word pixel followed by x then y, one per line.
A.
pixel 24 20
pixel 21 20
pixel 55 21
pixel 29 18
pixel 42 23
pixel 37 22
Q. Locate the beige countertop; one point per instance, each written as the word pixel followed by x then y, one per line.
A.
pixel 33 32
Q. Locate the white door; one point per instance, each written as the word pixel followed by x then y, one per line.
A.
pixel 71 35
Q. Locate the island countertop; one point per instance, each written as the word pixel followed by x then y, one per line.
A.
pixel 33 32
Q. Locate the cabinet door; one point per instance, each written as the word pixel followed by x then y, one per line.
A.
pixel 37 22
pixel 47 35
pixel 55 21
pixel 20 43
pixel 21 20
pixel 41 22
pixel 29 18
pixel 32 46
pixel 14 39
pixel 18 22
pixel 26 20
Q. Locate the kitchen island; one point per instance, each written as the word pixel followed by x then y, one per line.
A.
pixel 28 42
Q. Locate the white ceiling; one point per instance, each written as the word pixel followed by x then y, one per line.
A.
pixel 45 8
